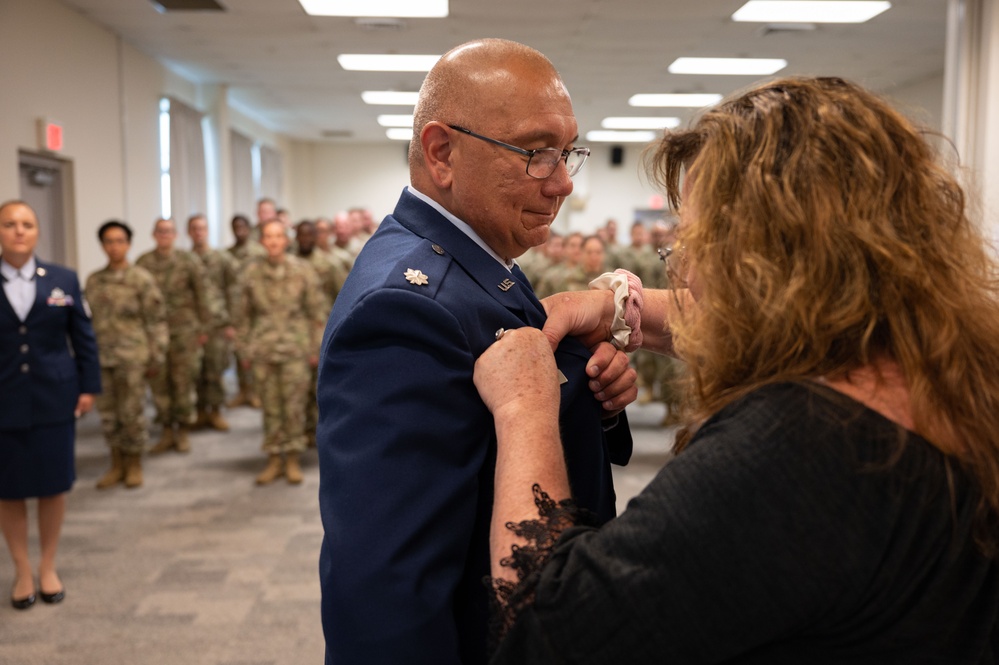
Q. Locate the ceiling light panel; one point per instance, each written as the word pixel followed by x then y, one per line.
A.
pixel 679 101
pixel 390 97
pixel 379 62
pixel 639 123
pixel 727 66
pixel 399 134
pixel 610 136
pixel 809 11
pixel 377 8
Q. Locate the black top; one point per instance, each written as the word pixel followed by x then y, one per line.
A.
pixel 783 534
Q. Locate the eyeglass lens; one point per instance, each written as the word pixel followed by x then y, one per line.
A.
pixel 544 162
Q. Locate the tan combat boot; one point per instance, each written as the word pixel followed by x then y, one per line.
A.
pixel 133 471
pixel 216 421
pixel 273 471
pixel 115 474
pixel 165 443
pixel 292 469
pixel 201 421
pixel 183 441
pixel 238 400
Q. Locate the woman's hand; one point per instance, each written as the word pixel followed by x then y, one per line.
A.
pixel 84 403
pixel 517 373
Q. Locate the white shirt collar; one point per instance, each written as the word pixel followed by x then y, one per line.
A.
pixel 462 226
pixel 11 273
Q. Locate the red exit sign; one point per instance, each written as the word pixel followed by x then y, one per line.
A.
pixel 50 135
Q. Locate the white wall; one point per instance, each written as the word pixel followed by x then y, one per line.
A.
pixel 75 85
pixel 922 100
pixel 324 178
pixel 603 190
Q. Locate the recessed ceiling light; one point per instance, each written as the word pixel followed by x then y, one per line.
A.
pixel 639 123
pixel 399 134
pixel 390 97
pixel 810 11
pixel 730 66
pixel 381 62
pixel 693 101
pixel 396 121
pixel 377 8
pixel 608 136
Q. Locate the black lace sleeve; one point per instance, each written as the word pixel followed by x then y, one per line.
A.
pixel 508 599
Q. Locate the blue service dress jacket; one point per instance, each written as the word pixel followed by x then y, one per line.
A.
pixel 407 449
pixel 43 376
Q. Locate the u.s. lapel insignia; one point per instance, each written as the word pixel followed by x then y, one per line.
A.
pixel 40 272
pixel 506 284
pixel 416 277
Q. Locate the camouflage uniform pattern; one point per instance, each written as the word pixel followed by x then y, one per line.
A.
pixel 279 326
pixel 181 279
pixel 223 287
pixel 243 255
pixel 558 278
pixel 130 324
pixel 331 276
pixel 658 373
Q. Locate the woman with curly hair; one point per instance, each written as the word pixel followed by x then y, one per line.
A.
pixel 835 494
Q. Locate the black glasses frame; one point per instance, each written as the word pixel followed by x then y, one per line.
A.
pixel 583 152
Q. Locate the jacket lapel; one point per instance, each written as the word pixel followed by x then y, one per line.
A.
pixel 43 285
pixel 492 277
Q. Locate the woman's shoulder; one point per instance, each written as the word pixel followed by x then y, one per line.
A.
pixel 809 424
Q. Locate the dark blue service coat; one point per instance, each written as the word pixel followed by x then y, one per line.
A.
pixel 42 376
pixel 407 449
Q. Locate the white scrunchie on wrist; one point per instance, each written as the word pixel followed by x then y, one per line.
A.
pixel 626 329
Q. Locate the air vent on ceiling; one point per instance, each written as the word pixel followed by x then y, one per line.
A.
pixel 164 6
pixel 380 24
pixel 337 133
pixel 786 28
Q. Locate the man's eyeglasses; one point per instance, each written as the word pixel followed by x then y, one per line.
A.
pixel 541 162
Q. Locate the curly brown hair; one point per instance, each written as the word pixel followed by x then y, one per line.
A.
pixel 826 236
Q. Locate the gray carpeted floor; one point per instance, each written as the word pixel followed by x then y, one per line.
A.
pixel 200 566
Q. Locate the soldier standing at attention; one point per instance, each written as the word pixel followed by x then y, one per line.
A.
pixel 331 278
pixel 130 323
pixel 244 250
pixel 279 325
pixel 221 276
pixel 181 279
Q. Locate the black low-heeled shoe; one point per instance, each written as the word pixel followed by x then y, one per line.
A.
pixel 53 598
pixel 22 603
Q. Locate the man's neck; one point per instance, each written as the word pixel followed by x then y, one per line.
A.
pixel 165 253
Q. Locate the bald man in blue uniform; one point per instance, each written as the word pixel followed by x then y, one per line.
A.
pixel 407 448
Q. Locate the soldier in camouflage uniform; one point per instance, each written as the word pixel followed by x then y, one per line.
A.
pixel 661 372
pixel 130 324
pixel 591 264
pixel 559 277
pixel 181 278
pixel 279 325
pixel 331 278
pixel 220 270
pixel 244 251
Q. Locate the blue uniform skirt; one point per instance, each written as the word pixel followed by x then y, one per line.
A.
pixel 38 461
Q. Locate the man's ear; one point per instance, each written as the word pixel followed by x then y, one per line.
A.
pixel 436 141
